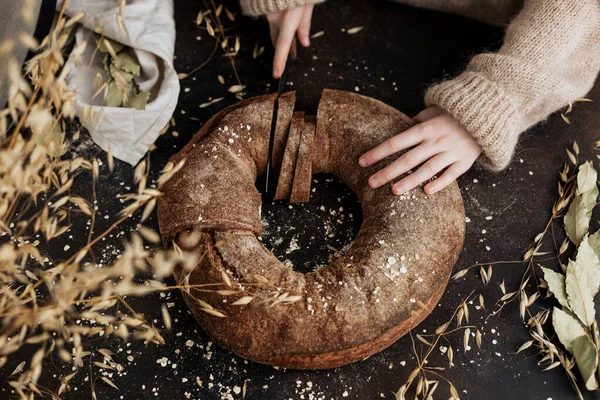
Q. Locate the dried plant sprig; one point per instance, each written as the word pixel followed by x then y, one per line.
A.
pixel 425 377
pixel 211 19
pixel 54 305
pixel 574 288
pixel 574 323
pixel 566 190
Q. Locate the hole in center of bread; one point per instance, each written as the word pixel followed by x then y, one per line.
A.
pixel 309 235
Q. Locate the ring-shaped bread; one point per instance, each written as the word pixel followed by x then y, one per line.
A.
pixel 387 281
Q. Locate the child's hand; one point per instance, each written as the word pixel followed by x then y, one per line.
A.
pixel 438 141
pixel 283 25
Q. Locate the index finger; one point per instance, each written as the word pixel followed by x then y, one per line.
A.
pixel 284 41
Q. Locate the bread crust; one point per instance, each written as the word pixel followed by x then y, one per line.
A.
pixel 387 281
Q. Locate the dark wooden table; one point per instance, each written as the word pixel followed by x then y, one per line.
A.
pixel 399 52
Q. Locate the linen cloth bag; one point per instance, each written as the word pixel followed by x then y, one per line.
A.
pixel 150 32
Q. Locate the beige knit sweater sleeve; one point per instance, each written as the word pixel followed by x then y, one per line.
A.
pixel 260 7
pixel 550 57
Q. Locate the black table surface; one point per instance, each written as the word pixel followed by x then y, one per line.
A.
pixel 399 52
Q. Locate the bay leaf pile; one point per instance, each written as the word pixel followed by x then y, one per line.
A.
pixel 122 67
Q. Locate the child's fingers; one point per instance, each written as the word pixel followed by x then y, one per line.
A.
pixel 287 32
pixel 405 163
pixel 425 172
pixel 450 175
pixel 409 138
pixel 304 28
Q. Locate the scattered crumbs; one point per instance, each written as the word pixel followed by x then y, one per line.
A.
pixel 163 361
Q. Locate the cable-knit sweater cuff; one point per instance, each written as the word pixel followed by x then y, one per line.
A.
pixel 483 108
pixel 260 7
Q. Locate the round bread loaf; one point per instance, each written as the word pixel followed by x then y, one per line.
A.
pixel 387 281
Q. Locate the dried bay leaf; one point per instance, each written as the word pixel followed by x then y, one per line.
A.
pixel 567 327
pixel 121 76
pixel 114 96
pixel 579 295
pixel 139 100
pixel 577 220
pixel 586 356
pixel 128 62
pixel 586 178
pixel 556 284
pixel 588 260
pixel 590 198
pixel 594 242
